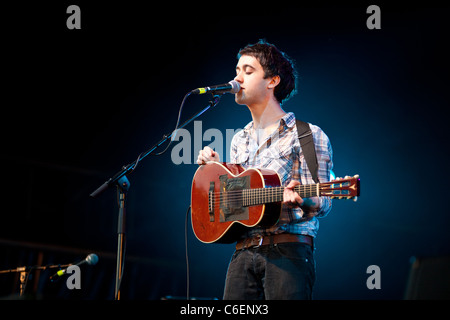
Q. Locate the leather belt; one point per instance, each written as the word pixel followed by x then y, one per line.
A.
pixel 258 241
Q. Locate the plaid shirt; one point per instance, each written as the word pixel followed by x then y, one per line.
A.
pixel 282 153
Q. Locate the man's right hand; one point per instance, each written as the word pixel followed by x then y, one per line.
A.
pixel 207 154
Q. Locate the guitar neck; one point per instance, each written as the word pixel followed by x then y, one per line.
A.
pixel 253 197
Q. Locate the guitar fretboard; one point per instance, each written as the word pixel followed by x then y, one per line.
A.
pixel 253 197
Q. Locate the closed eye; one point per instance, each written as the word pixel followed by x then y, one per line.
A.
pixel 248 69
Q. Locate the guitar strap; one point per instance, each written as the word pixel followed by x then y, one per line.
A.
pixel 309 151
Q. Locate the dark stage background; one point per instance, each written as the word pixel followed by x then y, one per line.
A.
pixel 79 104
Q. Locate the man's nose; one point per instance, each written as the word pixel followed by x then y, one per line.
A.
pixel 238 78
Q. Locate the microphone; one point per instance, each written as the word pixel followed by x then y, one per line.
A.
pixel 91 259
pixel 230 87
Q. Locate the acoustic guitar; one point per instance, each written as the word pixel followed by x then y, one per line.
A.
pixel 226 199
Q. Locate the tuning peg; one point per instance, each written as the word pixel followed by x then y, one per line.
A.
pixel 347 177
pixel 356 176
pixel 355 199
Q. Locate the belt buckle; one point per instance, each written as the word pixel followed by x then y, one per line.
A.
pixel 260 241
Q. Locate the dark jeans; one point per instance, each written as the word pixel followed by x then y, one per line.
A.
pixel 273 272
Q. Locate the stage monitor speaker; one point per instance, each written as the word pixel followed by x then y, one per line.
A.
pixel 429 279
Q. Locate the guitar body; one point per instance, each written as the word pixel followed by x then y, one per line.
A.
pixel 216 215
pixel 226 199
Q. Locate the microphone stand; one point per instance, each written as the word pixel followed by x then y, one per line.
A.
pixel 120 180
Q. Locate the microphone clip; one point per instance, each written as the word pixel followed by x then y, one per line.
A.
pixel 215 98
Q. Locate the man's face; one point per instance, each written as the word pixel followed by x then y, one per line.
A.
pixel 250 75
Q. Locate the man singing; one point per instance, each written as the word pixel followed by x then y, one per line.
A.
pixel 276 262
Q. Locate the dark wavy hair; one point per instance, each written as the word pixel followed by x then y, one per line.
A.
pixel 274 63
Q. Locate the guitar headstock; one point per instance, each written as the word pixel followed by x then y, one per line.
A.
pixel 341 188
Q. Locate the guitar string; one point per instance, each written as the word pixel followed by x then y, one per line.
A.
pixel 255 196
pixel 249 200
pixel 299 188
pixel 275 190
pixel 240 195
pixel 264 192
pixel 259 196
pixel 271 190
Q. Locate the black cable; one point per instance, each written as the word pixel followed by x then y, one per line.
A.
pixel 186 247
pixel 171 139
pixel 176 126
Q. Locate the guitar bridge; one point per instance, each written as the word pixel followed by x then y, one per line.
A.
pixel 211 201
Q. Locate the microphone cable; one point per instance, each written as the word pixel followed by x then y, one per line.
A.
pixel 174 132
pixel 136 162
pixel 187 253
